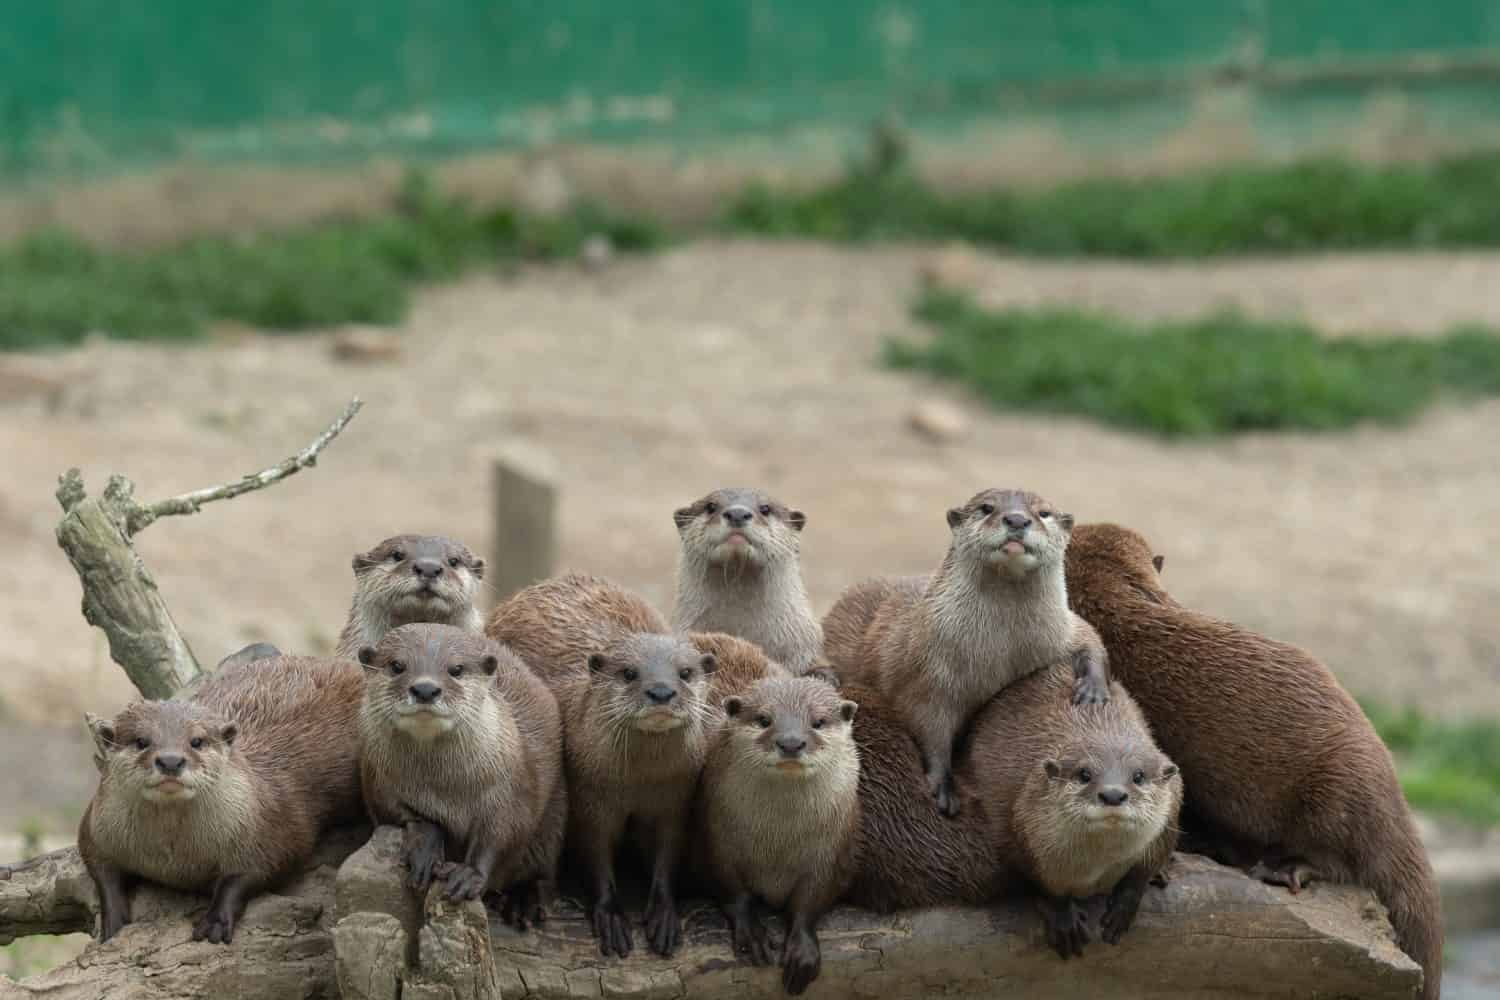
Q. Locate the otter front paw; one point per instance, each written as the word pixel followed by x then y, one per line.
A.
pixel 611 928
pixel 748 933
pixel 1290 872
pixel 1090 690
pixel 422 856
pixel 216 926
pixel 944 794
pixel 523 906
pixel 662 924
pixel 801 963
pixel 1120 913
pixel 1066 926
pixel 111 922
pixel 463 882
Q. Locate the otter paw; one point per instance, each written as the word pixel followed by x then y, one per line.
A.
pixel 463 882
pixel 801 963
pixel 1119 914
pixel 1295 875
pixel 111 922
pixel 215 926
pixel 1090 690
pixel 423 864
pixel 523 907
pixel 1066 927
pixel 751 939
pixel 611 928
pixel 662 925
pixel 946 797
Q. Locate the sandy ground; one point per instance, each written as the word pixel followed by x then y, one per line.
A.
pixel 725 363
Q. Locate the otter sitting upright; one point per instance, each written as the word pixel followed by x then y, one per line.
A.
pixel 995 611
pixel 408 579
pixel 739 573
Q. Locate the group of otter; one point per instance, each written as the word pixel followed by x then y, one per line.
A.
pixel 1038 715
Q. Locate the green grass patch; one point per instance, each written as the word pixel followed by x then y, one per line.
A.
pixel 55 289
pixel 1451 768
pixel 1217 375
pixel 1315 205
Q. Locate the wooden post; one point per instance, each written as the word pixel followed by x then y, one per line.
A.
pixel 524 544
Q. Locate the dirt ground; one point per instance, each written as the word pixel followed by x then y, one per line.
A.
pixel 659 378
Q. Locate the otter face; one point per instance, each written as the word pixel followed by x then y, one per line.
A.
pixel 165 752
pixel 791 726
pixel 739 528
pixel 423 680
pixel 1112 788
pixel 418 578
pixel 1010 531
pixel 653 683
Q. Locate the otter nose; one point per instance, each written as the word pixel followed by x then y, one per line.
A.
pixel 425 692
pixel 1113 796
pixel 1015 521
pixel 790 746
pixel 660 693
pixel 738 516
pixel 170 763
pixel 427 569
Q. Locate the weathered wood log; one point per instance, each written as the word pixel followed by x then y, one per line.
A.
pixel 524 545
pixel 119 593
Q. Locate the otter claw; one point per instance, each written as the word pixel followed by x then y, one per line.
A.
pixel 1066 927
pixel 662 925
pixel 611 929
pixel 801 963
pixel 215 927
pixel 1090 691
pixel 1295 875
pixel 463 882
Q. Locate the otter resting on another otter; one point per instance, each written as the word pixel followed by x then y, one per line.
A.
pixel 996 610
pixel 228 788
pixel 739 573
pixel 408 579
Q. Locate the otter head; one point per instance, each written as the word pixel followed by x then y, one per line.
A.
pixel 1105 552
pixel 426 680
pixel 164 752
pixel 1125 786
pixel 791 725
pixel 653 683
pixel 418 578
pixel 1011 532
pixel 739 528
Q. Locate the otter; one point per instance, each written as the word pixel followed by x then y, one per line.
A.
pixel 995 611
pixel 408 579
pixel 738 572
pixel 636 726
pixel 779 815
pixel 1276 755
pixel 462 748
pixel 228 788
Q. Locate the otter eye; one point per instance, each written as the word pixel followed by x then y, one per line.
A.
pixel 397 556
pixel 196 743
pixel 1085 776
pixel 765 510
pixel 710 508
pixel 457 670
pixel 818 723
pixel 142 743
pixel 1044 513
pixel 986 509
pixel 397 668
pixel 455 562
pixel 763 721
pixel 1139 777
pixel 629 673
pixel 686 675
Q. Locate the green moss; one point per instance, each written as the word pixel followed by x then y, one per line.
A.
pixel 1446 767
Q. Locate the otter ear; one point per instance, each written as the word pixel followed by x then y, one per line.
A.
pixel 732 706
pixel 490 664
pixel 102 731
pixel 229 733
pixel 597 662
pixel 1169 772
pixel 1066 520
pixel 367 655
pixel 682 517
pixel 1053 769
pixel 709 663
pixel 955 517
pixel 1158 562
pixel 476 566
pixel 362 561
pixel 796 519
pixel 847 710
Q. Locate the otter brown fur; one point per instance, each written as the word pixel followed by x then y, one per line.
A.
pixel 463 748
pixel 408 579
pixel 995 611
pixel 1276 755
pixel 779 815
pixel 228 788
pixel 739 572
pixel 636 726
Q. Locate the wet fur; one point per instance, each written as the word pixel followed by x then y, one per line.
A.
pixel 763 601
pixel 380 585
pixel 1274 752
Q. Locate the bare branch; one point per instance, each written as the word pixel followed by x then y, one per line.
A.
pixel 188 503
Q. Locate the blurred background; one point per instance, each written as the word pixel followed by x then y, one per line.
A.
pixel 1222 272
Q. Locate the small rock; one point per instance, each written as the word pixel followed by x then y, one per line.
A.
pixel 545 190
pixel 598 250
pixel 955 268
pixel 363 345
pixel 939 421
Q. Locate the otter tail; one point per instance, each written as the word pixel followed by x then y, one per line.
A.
pixel 1401 877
